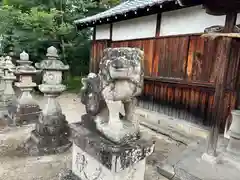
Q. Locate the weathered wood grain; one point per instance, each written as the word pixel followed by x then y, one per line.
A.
pixel 180 75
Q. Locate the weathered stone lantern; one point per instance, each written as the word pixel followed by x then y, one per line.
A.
pixel 26 109
pixel 9 78
pixel 51 133
pixel 2 86
pixel 2 64
pixel 234 141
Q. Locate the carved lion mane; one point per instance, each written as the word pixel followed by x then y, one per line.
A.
pixel 118 60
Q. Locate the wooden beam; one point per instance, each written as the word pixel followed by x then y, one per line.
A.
pixel 221 7
pixel 223 53
pixel 216 35
pixel 109 42
pixel 158 25
pixel 91 67
pixel 238 87
pixel 111 31
pixel 230 22
pixel 184 83
pixel 94 33
pixel 91 63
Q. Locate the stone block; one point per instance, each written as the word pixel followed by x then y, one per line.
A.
pixel 95 157
pixel 38 145
pixel 23 113
pixel 48 139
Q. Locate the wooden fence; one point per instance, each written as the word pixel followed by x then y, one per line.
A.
pixel 180 75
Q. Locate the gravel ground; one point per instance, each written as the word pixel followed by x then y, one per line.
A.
pixel 16 165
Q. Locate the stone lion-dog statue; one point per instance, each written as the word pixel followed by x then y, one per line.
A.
pixel 119 81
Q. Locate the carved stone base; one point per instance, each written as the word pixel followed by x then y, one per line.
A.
pixel 49 137
pixel 23 113
pixel 38 145
pixel 95 157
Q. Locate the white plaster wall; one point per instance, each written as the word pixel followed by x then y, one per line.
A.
pixel 238 19
pixel 137 28
pixel 103 32
pixel 187 21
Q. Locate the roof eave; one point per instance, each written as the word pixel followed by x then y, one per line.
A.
pixel 165 6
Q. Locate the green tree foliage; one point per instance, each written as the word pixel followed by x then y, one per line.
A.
pixel 33 25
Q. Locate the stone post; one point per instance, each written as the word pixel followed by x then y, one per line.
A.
pixel 26 109
pixel 51 133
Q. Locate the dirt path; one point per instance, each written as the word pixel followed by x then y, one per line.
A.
pixel 15 165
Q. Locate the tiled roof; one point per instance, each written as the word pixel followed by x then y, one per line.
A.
pixel 125 7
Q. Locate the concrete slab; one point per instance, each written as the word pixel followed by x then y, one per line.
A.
pixel 191 165
pixel 16 165
pixel 176 129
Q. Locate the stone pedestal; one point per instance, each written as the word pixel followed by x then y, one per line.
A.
pixel 52 131
pixel 95 157
pixel 107 145
pixel 26 110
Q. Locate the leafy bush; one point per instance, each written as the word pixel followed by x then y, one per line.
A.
pixel 34 25
pixel 73 84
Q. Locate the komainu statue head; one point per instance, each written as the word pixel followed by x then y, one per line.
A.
pixel 121 73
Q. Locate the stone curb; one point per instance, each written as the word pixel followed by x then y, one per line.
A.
pixel 177 129
pixel 174 173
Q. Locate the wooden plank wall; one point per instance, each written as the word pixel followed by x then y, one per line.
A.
pixel 180 75
pixel 96 54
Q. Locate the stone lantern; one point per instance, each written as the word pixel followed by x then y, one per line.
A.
pixel 9 78
pixel 2 86
pixel 234 141
pixel 2 64
pixel 26 109
pixel 51 133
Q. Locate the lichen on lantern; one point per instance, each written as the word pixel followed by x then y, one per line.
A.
pixel 2 64
pixel 53 70
pixel 9 77
pixel 52 62
pixel 52 131
pixel 26 110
